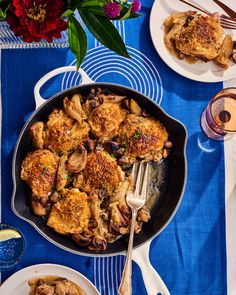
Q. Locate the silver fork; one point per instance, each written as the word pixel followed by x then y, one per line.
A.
pixel 226 21
pixel 135 201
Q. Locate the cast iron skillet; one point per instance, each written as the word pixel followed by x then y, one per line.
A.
pixel 171 189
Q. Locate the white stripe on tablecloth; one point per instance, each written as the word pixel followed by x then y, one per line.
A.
pixel 230 196
pixel 0 139
pixel 0 146
pixel 230 206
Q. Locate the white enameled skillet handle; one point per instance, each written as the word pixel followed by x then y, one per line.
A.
pixel 38 98
pixel 153 282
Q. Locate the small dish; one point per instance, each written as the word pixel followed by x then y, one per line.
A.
pixel 12 246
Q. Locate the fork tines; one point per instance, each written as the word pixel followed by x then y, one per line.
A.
pixel 140 173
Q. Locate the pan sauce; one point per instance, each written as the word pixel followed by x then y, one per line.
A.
pixel 95 161
pixel 196 38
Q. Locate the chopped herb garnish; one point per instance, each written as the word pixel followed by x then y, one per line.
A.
pixel 136 135
pixel 45 170
pixel 61 198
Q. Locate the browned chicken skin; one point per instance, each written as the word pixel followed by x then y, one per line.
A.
pixel 60 133
pixel 76 174
pixel 102 171
pixel 201 38
pixel 192 36
pixel 104 120
pixel 52 285
pixel 39 170
pixel 71 214
pixel 143 138
pixel 63 133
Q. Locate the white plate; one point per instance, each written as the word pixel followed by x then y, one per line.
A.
pixel 204 72
pixel 17 284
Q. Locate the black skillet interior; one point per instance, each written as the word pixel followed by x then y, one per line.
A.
pixel 172 188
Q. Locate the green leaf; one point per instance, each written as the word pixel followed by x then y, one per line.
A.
pixel 77 39
pixel 124 11
pixel 134 15
pixel 2 15
pixel 67 13
pixel 94 9
pixel 4 4
pixel 87 3
pixel 104 31
pixel 127 14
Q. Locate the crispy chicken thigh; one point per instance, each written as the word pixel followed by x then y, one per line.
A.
pixel 105 119
pixel 143 138
pixel 76 175
pixel 102 171
pixel 71 214
pixel 189 34
pixel 39 170
pixel 52 285
pixel 64 133
pixel 60 133
pixel 201 38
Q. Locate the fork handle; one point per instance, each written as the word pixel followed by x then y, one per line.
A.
pixel 197 6
pixel 126 285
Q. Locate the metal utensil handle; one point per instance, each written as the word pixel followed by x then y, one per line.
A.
pixel 126 282
pixel 152 280
pixel 39 100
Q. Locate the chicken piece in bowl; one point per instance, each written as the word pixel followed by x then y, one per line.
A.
pixel 52 285
pixel 201 37
pixel 194 37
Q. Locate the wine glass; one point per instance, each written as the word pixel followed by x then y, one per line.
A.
pixel 218 121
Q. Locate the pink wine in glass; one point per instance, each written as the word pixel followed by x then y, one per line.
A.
pixel 218 120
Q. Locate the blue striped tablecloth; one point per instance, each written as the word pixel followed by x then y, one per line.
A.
pixel 190 254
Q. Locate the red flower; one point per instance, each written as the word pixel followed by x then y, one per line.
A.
pixel 36 20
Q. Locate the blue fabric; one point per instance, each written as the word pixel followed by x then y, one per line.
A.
pixel 190 254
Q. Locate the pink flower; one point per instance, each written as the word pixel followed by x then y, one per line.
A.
pixel 136 6
pixel 112 10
